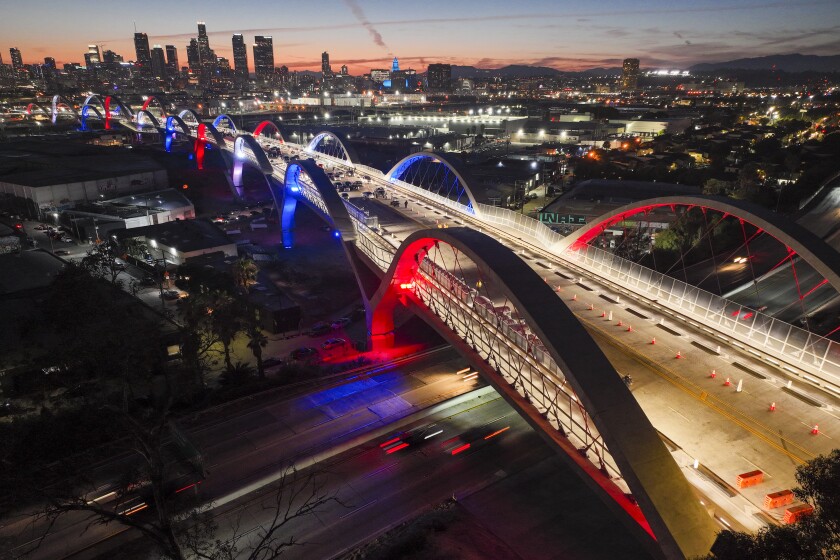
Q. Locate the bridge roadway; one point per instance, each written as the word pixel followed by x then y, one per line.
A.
pixel 680 395
pixel 729 432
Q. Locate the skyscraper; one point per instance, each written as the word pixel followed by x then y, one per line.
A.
pixel 240 56
pixel 344 70
pixel 93 55
pixel 141 49
pixel 439 77
pixel 203 41
pixel 193 59
pixel 172 60
pixel 158 62
pixel 263 56
pixel 49 62
pixel 326 70
pixel 630 74
pixel 17 59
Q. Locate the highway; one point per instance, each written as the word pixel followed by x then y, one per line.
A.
pixel 244 442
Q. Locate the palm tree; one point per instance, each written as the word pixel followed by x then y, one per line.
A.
pixel 256 342
pixel 244 274
pixel 226 321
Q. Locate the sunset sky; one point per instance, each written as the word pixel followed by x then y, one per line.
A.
pixel 366 34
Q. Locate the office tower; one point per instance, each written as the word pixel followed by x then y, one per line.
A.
pixel 158 62
pixel 110 57
pixel 172 61
pixel 630 74
pixel 141 49
pixel 439 77
pixel 240 56
pixel 263 56
pixel 49 62
pixel 203 39
pixel 17 59
pixel 326 71
pixel 344 70
pixel 193 59
pixel 94 56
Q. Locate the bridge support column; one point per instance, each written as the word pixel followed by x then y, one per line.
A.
pixel 236 175
pixel 287 220
pixel 381 325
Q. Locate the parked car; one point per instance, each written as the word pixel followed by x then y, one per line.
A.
pixel 62 253
pixel 340 323
pixel 304 353
pixel 333 343
pixel 147 281
pixel 318 329
pixel 395 203
pixel 171 294
pixel 272 362
pixel 66 239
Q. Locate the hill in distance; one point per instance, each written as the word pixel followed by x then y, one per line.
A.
pixel 784 62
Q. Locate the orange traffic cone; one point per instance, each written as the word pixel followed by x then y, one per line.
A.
pixel 727 383
pixel 772 407
pixel 574 297
pixel 629 328
pixel 713 374
pixel 679 354
pixel 619 322
pixel 653 341
pixel 815 430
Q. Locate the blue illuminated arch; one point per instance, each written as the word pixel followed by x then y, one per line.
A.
pixel 84 115
pixel 173 121
pixel 228 122
pixel 188 114
pixel 451 173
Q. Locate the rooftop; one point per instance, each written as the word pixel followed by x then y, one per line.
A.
pixel 182 235
pixel 45 163
pixel 28 270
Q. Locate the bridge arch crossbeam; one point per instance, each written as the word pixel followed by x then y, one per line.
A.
pixel 442 177
pixel 116 108
pixel 268 129
pixel 564 369
pixel 329 143
pixel 36 107
pixel 144 118
pixel 59 102
pixel 83 115
pixel 175 124
pixel 190 117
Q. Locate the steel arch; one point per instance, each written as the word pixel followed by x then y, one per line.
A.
pixel 83 115
pixel 226 119
pixel 147 115
pixel 157 101
pixel 349 151
pixel 190 114
pixel 57 102
pixel 813 250
pixel 174 120
pixel 680 524
pixel 270 125
pixel 123 110
pixel 319 195
pixel 453 165
pixel 214 137
pixel 36 107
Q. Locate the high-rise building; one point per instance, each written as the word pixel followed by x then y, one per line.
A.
pixel 158 62
pixel 141 49
pixel 203 40
pixel 240 56
pixel 439 77
pixel 17 59
pixel 380 76
pixel 93 54
pixel 344 71
pixel 193 59
pixel 326 70
pixel 630 74
pixel 110 57
pixel 49 62
pixel 263 56
pixel 172 60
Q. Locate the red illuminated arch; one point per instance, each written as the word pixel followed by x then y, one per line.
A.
pixel 271 126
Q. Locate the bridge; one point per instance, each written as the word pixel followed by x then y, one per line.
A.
pixel 470 284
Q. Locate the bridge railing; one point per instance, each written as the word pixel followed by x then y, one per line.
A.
pixel 377 248
pixel 526 227
pixel 517 355
pixel 781 341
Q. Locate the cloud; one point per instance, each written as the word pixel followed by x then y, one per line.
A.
pixel 360 15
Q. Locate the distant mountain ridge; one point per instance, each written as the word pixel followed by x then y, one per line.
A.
pixel 784 62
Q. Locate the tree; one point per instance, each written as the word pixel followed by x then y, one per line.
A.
pixel 814 537
pixel 244 274
pixel 225 321
pixel 101 263
pixel 197 335
pixel 256 341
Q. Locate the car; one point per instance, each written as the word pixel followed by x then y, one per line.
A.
pixel 171 294
pixel 333 343
pixel 395 203
pixel 340 323
pixel 255 212
pixel 66 239
pixel 41 227
pixel 147 281
pixel 272 362
pixel 380 191
pixel 345 196
pixel 61 253
pixel 318 329
pixel 118 264
pixel 304 353
pixel 367 194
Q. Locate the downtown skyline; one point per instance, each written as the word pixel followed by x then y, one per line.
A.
pixel 562 35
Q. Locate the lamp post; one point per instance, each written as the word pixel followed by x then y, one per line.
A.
pixel 153 243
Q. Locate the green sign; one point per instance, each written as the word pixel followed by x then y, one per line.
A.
pixel 553 218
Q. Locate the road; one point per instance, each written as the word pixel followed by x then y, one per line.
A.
pixel 241 443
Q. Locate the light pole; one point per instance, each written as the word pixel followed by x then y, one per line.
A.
pixel 153 243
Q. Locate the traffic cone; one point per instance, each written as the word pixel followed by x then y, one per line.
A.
pixel 603 314
pixel 727 383
pixel 713 374
pixel 653 341
pixel 591 307
pixel 679 354
pixel 619 322
pixel 815 430
pixel 772 407
pixel 629 328
pixel 574 297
